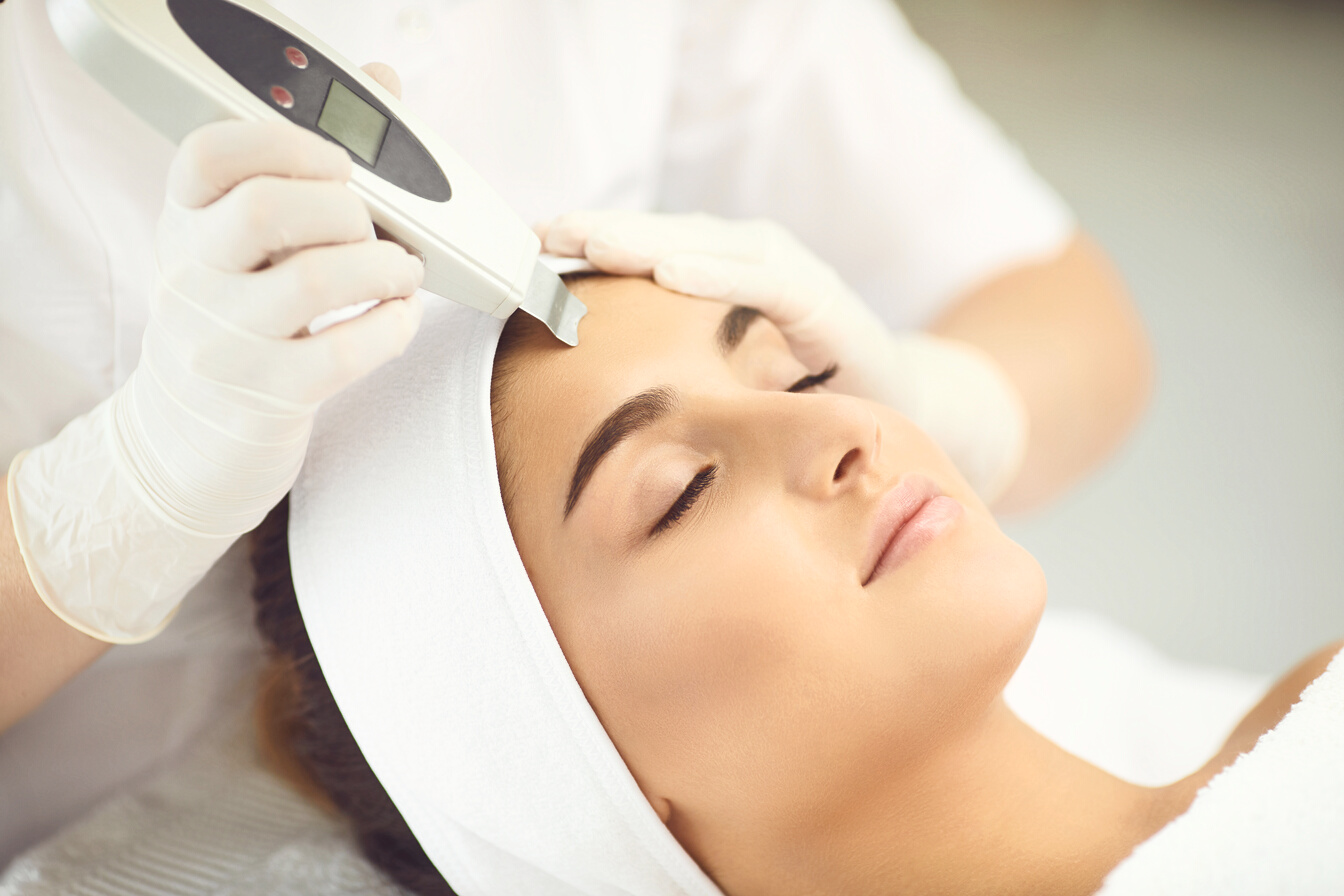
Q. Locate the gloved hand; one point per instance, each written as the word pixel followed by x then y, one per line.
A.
pixel 953 390
pixel 121 513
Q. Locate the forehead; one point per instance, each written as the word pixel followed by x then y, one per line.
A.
pixel 636 335
pixel 633 316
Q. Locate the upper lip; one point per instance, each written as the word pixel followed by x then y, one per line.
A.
pixel 894 509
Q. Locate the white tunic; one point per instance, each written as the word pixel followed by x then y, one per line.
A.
pixel 828 115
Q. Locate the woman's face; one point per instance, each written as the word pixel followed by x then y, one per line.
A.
pixel 702 540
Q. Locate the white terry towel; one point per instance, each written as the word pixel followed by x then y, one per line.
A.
pixel 1271 823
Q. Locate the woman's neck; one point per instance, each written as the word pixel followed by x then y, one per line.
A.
pixel 1029 818
pixel 998 809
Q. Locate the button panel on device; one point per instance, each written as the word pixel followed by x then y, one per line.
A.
pixel 312 91
pixel 282 97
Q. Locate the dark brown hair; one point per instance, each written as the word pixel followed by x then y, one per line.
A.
pixel 303 736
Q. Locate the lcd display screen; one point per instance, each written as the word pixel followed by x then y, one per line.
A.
pixel 352 122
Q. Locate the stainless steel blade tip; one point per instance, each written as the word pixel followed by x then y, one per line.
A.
pixel 551 302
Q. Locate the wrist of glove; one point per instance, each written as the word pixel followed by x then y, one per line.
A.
pixel 102 555
pixel 961 397
pixel 129 506
pixel 955 391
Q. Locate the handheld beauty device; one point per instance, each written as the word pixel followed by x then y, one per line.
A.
pixel 180 64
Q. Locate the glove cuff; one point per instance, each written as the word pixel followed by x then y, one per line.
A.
pixel 99 555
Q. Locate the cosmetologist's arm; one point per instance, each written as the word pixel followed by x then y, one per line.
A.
pixel 38 652
pixel 1068 335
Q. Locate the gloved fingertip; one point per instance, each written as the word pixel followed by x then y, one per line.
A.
pixel 561 240
pixel 567 234
pixel 400 324
pixel 413 274
pixel 385 75
pixel 618 256
pixel 414 310
pixel 328 160
pixel 342 168
pixel 694 275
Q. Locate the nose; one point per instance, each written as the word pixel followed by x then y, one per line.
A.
pixel 825 445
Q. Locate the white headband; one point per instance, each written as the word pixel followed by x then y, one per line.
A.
pixel 437 651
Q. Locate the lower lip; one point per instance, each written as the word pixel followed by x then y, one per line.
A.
pixel 935 517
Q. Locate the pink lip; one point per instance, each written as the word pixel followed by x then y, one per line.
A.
pixel 908 517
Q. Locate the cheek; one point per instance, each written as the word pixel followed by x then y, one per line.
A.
pixel 727 671
pixel 747 668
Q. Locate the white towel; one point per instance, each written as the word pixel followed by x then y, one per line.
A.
pixel 1271 823
pixel 215 824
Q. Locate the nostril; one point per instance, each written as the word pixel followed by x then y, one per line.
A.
pixel 850 457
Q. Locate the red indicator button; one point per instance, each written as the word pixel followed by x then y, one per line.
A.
pixel 296 57
pixel 283 98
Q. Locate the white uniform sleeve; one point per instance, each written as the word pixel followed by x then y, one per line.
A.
pixel 832 117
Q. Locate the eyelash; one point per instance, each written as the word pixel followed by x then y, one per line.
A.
pixel 812 380
pixel 701 481
pixel 694 489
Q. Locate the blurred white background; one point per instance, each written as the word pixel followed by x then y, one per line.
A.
pixel 1202 143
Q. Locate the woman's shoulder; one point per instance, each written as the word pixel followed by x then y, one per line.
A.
pixel 1266 819
pixel 1271 709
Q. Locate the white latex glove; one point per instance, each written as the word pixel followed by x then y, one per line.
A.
pixel 125 510
pixel 953 390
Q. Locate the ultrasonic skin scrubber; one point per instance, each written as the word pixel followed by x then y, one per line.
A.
pixel 181 64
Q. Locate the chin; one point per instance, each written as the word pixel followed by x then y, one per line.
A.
pixel 1016 595
pixel 992 592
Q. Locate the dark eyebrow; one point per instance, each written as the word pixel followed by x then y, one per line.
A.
pixel 733 328
pixel 634 414
pixel 648 407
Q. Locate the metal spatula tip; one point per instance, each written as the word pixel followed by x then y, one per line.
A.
pixel 551 302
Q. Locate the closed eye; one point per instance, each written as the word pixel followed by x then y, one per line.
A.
pixel 812 380
pixel 699 483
